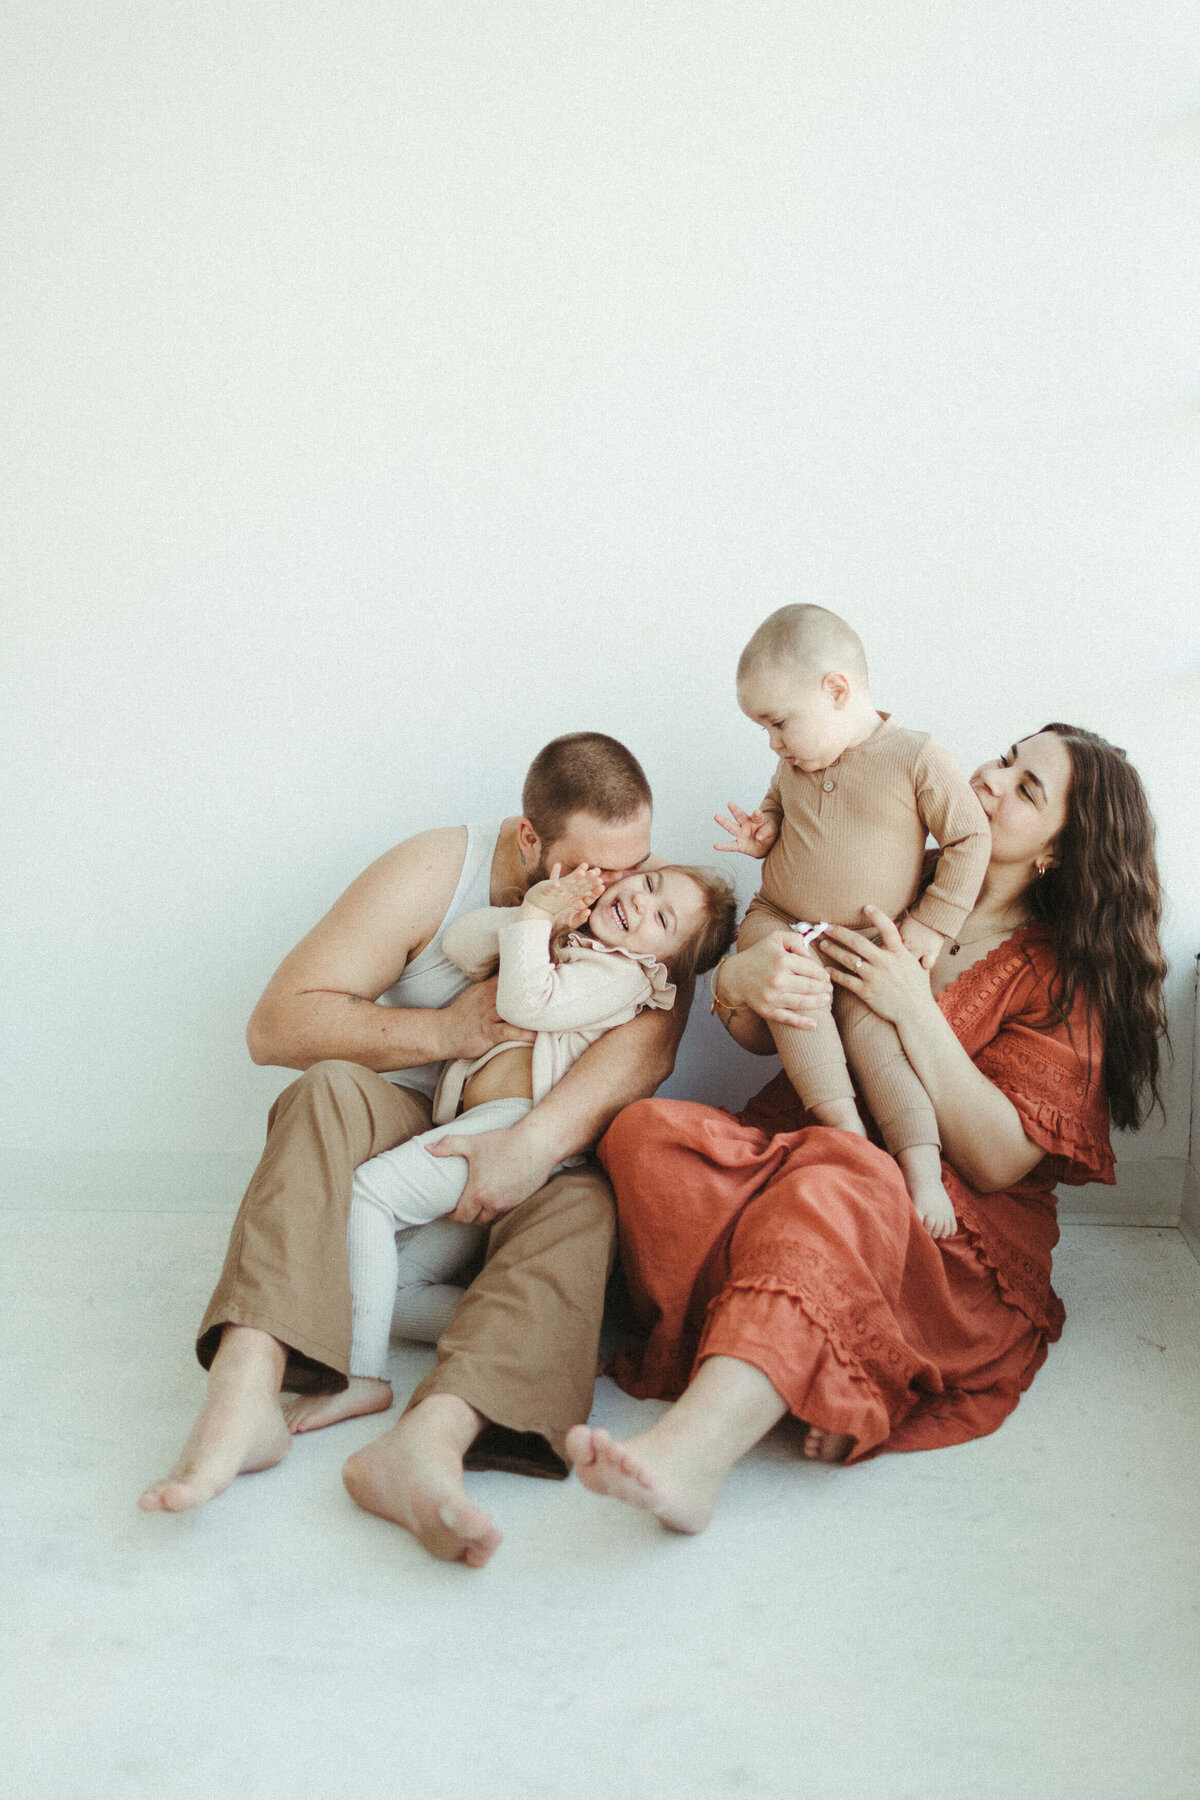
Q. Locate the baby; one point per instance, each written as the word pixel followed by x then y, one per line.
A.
pixel 575 960
pixel 843 826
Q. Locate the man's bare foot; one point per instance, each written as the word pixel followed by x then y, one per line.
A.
pixel 362 1394
pixel 413 1475
pixel 826 1446
pixel 649 1472
pixel 240 1429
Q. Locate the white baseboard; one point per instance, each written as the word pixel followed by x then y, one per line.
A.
pixel 1147 1193
pixel 1189 1212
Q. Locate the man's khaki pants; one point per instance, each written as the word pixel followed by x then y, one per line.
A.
pixel 521 1348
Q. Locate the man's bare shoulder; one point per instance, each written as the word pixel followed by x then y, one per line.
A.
pixel 413 882
pixel 429 855
pixel 385 917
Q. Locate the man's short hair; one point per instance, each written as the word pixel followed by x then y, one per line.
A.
pixel 587 772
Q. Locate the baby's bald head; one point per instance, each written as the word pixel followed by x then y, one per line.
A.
pixel 808 642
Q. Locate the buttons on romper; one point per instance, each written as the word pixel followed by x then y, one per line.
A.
pixel 829 786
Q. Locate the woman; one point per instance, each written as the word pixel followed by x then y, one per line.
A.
pixel 781 1269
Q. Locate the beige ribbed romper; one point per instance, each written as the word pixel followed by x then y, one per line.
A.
pixel 850 836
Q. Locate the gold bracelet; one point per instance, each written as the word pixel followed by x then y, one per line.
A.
pixel 718 1005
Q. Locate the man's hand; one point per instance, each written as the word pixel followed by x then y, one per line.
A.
pixel 780 979
pixel 565 899
pixel 503 1168
pixel 752 833
pixel 472 1025
pixel 921 940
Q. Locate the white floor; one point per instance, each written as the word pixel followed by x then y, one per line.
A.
pixel 1017 1619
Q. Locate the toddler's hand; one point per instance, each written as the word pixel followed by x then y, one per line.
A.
pixel 566 899
pixel 752 833
pixel 922 940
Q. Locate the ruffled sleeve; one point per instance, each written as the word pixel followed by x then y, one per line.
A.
pixel 1051 1074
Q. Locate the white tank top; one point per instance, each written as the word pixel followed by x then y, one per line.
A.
pixel 431 979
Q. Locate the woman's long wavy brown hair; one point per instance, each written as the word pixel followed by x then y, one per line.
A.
pixel 1103 902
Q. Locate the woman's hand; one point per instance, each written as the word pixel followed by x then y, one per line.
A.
pixel 886 975
pixel 779 978
pixel 565 899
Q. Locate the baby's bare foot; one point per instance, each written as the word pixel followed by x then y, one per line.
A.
pixel 362 1394
pixel 826 1446
pixel 922 1170
pixel 648 1472
pixel 937 1218
pixel 413 1475
pixel 240 1429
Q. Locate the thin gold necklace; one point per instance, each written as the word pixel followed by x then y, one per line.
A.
pixel 982 936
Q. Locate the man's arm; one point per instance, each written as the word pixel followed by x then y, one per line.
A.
pixel 626 1064
pixel 320 1002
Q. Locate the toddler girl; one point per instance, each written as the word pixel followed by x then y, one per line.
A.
pixel 575 959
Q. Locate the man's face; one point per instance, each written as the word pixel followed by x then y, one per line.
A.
pixel 614 849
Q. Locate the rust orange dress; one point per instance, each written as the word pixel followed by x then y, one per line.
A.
pixel 798 1250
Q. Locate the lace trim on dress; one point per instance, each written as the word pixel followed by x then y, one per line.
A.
pixel 1073 1155
pixel 973 992
pixel 1065 1123
pixel 1024 1280
pixel 852 1325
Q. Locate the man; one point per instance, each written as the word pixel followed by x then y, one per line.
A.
pixel 516 1368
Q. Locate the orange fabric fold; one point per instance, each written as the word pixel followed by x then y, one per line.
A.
pixel 796 1248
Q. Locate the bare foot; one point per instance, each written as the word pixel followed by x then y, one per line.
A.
pixel 922 1170
pixel 362 1394
pixel 413 1475
pixel 240 1428
pixel 826 1446
pixel 649 1472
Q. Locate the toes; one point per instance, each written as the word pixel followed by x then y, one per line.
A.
pixel 629 1466
pixel 580 1446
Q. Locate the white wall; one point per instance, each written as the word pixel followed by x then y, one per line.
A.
pixel 393 386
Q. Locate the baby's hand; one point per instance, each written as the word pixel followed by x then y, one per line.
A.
pixel 752 833
pixel 566 899
pixel 922 940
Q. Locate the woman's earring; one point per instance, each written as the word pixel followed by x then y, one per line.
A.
pixel 1041 869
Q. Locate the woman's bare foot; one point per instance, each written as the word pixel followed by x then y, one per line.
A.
pixel 649 1472
pixel 826 1446
pixel 240 1428
pixel 413 1475
pixel 362 1394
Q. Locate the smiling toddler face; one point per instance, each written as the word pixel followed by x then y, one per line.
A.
pixel 655 913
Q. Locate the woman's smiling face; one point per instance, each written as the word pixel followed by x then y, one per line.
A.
pixel 1025 795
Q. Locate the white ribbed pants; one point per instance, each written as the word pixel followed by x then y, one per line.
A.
pixel 402 1247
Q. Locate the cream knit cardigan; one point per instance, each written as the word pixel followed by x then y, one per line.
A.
pixel 568 1003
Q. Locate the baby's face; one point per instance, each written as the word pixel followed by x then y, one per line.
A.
pixel 804 725
pixel 655 913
